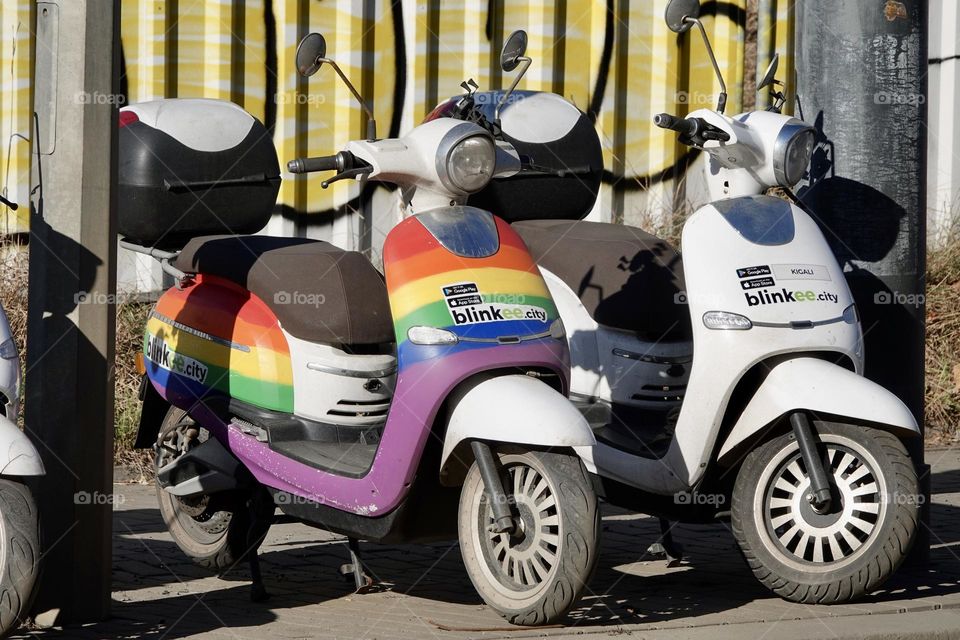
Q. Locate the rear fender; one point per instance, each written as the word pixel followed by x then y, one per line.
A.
pixel 153 409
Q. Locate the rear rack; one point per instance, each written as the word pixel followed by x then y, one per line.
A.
pixel 161 256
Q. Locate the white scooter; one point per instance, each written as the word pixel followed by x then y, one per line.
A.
pixel 737 394
pixel 19 522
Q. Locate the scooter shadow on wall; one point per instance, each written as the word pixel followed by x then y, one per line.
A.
pixel 655 273
pixel 862 225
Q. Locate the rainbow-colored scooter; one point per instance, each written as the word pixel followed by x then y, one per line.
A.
pixel 286 372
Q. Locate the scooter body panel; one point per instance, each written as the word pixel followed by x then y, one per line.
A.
pixel 767 260
pixel 824 388
pixel 497 305
pixel 18 456
pixel 214 340
pixel 9 374
pixel 759 257
pixel 618 366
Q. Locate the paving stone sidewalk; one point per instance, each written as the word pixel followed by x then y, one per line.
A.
pixel 424 592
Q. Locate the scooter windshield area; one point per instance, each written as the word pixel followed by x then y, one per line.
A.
pixel 457 292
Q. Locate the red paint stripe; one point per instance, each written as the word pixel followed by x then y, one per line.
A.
pixel 224 310
pixel 411 253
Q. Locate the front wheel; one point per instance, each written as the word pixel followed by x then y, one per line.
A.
pixel 534 575
pixel 19 553
pixel 847 550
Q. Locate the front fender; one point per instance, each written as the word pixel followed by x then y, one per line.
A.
pixel 515 409
pixel 18 456
pixel 824 388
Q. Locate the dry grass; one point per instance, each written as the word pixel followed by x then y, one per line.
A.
pixel 131 317
pixel 942 413
pixel 131 321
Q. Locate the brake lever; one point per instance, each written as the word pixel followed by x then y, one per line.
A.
pixel 343 175
pixel 715 134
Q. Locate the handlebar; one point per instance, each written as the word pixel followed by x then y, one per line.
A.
pixel 319 163
pixel 12 205
pixel 680 125
pixel 340 161
pixel 691 128
pixel 344 163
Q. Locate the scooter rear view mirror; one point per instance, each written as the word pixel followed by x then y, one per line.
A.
pixel 310 54
pixel 511 57
pixel 681 16
pixel 769 76
pixel 678 12
pixel 513 50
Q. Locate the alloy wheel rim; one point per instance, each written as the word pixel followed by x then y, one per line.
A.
pixel 523 562
pixel 811 539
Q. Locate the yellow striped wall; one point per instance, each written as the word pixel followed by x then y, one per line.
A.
pixel 613 56
pixel 16 97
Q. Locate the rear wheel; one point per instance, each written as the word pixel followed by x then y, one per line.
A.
pixel 533 576
pixel 850 548
pixel 213 530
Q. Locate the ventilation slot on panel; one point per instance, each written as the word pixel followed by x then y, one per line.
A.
pixel 360 409
pixel 661 393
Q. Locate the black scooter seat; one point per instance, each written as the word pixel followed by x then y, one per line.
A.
pixel 318 292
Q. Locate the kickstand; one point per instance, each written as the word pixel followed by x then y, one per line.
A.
pixel 666 546
pixel 354 568
pixel 258 592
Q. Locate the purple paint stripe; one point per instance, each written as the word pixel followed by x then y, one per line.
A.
pixel 421 388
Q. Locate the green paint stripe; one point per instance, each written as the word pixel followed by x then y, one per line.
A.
pixel 278 397
pixel 437 314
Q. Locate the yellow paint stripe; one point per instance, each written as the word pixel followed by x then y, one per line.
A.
pixel 262 364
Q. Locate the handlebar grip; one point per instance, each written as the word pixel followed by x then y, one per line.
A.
pixel 319 163
pixel 680 125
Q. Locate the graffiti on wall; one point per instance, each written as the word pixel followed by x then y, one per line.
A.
pixel 614 59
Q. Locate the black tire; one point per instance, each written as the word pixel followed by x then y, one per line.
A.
pixel 837 556
pixel 501 567
pixel 19 553
pixel 212 530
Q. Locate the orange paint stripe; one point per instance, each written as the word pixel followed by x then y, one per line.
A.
pixel 439 260
pixel 224 313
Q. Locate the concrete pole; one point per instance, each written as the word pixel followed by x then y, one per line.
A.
pixel 862 80
pixel 71 323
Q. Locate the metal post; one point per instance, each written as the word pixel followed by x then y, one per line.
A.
pixel 71 324
pixel 861 79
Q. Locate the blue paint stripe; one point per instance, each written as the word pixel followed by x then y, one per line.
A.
pixel 409 354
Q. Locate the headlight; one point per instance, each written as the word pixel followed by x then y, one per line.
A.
pixel 470 164
pixel 431 336
pixel 792 152
pixel 724 320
